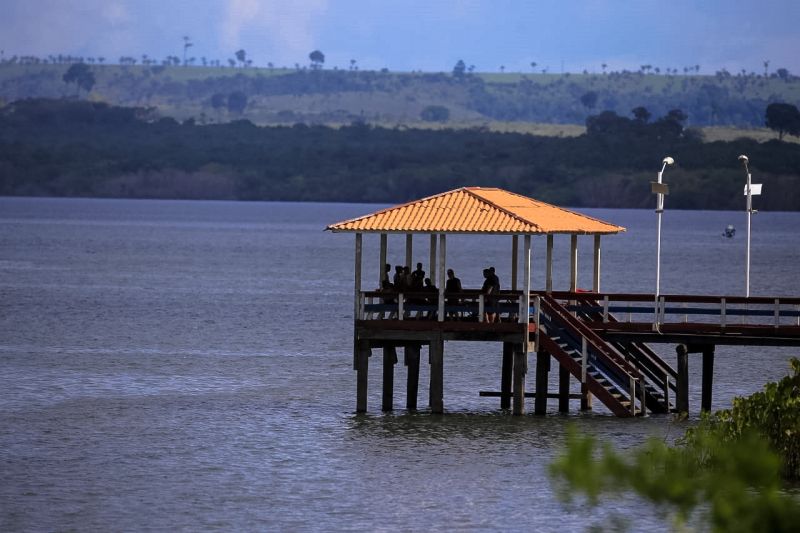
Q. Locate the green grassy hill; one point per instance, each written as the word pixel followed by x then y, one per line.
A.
pixel 284 96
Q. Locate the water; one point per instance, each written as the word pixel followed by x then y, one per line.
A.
pixel 188 366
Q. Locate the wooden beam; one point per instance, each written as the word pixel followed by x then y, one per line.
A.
pixel 505 376
pixel 708 377
pixel 596 276
pixel 432 265
pixel 382 262
pixel 409 250
pixel 520 370
pixel 682 383
pixel 412 385
pixel 436 354
pixel 362 373
pixel 514 260
pixel 563 389
pixel 542 369
pixel 389 360
pixel 442 278
pixel 573 263
pixel 357 275
pixel 548 286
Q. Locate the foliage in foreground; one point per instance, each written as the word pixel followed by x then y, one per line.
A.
pixel 730 466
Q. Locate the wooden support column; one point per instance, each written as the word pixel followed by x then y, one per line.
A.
pixel 548 285
pixel 542 369
pixel 409 250
pixel 563 389
pixel 520 370
pixel 389 360
pixel 514 260
pixel 586 398
pixel 573 263
pixel 708 377
pixel 526 291
pixel 505 377
pixel 596 271
pixel 432 265
pixel 362 372
pixel 357 276
pixel 436 351
pixel 682 383
pixel 412 385
pixel 442 266
pixel 382 262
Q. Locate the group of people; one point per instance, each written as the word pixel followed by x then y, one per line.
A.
pixel 407 281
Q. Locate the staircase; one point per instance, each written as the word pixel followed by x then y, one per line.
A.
pixel 628 379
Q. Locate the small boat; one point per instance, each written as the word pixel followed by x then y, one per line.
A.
pixel 729 232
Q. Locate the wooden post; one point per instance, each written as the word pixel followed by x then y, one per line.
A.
pixel 708 377
pixel 382 262
pixel 412 385
pixel 520 369
pixel 432 266
pixel 682 383
pixel 573 263
pixel 514 260
pixel 542 368
pixel 526 290
pixel 548 286
pixel 362 372
pixel 586 398
pixel 596 277
pixel 442 265
pixel 563 389
pixel 357 274
pixel 409 250
pixel 505 377
pixel 436 351
pixel 389 360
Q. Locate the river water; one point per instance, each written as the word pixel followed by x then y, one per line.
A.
pixel 170 365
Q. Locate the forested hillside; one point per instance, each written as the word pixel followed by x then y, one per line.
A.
pixel 82 148
pixel 214 94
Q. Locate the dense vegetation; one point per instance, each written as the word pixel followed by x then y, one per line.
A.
pixel 733 467
pixel 80 148
pixel 272 96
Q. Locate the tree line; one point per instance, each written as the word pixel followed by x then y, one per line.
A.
pixel 80 148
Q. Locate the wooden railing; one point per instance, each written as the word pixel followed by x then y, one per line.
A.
pixel 468 305
pixel 690 310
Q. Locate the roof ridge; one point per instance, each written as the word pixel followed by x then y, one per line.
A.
pixel 503 209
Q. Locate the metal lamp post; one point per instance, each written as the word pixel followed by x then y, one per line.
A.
pixel 750 190
pixel 660 189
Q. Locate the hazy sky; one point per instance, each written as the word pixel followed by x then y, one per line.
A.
pixel 426 35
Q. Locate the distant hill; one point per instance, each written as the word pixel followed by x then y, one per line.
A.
pixel 282 96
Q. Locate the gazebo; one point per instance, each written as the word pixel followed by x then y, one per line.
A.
pixel 464 211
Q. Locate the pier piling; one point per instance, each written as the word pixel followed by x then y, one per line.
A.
pixel 505 378
pixel 412 385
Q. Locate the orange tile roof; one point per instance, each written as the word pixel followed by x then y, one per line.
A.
pixel 476 210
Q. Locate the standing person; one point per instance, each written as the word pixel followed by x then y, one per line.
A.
pixel 431 298
pixel 417 277
pixel 386 271
pixel 451 287
pixel 398 280
pixel 490 290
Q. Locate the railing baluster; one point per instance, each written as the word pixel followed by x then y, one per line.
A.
pixel 584 359
pixel 400 302
pixel 633 396
pixel 480 308
pixel 605 309
pixel 722 313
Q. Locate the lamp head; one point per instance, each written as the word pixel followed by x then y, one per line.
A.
pixel 744 159
pixel 668 160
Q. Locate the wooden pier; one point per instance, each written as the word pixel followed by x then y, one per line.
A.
pixel 598 339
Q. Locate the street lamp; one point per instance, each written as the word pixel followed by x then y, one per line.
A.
pixel 660 189
pixel 750 190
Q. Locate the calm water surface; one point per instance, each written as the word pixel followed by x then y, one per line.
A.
pixel 187 366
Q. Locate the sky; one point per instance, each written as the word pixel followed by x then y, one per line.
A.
pixel 428 35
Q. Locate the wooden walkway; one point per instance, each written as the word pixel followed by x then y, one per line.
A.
pixel 599 339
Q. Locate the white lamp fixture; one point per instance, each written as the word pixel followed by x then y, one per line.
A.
pixel 750 190
pixel 660 189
